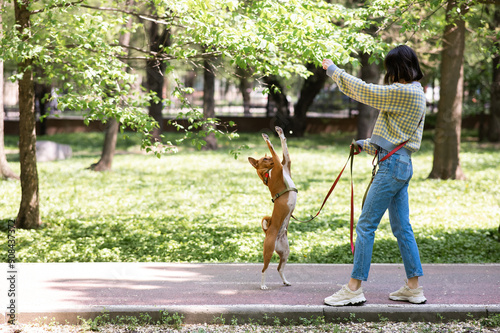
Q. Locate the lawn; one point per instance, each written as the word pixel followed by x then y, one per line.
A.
pixel 196 206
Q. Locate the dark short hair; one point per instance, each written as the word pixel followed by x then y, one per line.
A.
pixel 402 63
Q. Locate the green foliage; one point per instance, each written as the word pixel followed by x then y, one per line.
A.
pixel 74 45
pixel 421 25
pixel 312 321
pixel 132 322
pixel 74 50
pixel 492 320
pixel 198 127
pixel 219 320
pixel 207 206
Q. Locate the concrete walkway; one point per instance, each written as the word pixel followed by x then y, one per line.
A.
pixel 202 292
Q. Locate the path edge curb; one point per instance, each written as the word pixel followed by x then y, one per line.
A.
pixel 266 314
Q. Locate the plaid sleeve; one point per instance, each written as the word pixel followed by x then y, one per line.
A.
pixel 374 95
pixel 401 108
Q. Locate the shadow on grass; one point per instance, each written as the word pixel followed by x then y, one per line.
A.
pixel 12 157
pixel 5 223
pixel 137 239
pixel 462 246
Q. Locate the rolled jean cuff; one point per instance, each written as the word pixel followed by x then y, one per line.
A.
pixel 419 274
pixel 359 278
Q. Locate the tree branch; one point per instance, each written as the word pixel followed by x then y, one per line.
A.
pixel 160 55
pixel 166 57
pixel 490 2
pixel 70 4
pixel 383 28
pixel 146 17
pixel 424 19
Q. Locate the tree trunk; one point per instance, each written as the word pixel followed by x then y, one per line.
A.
pixel 108 149
pixel 5 170
pixel 29 211
pixel 209 102
pixel 494 124
pixel 40 91
pixel 367 115
pixel 155 70
pixel 278 100
pixel 311 87
pixel 245 88
pixel 446 163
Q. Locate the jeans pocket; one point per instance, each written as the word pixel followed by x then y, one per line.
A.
pixel 403 169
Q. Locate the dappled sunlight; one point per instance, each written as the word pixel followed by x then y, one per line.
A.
pixel 227 292
pixel 178 276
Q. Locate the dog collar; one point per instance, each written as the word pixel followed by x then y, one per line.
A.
pixel 287 189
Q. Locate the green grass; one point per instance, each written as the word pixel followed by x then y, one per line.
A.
pixel 206 206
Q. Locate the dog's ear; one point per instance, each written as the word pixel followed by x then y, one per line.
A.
pixel 253 162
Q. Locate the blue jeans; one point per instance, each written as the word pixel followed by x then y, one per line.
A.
pixel 389 190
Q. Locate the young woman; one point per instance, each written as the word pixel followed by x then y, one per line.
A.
pixel 401 102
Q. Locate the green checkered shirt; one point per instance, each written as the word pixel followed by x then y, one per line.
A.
pixel 401 107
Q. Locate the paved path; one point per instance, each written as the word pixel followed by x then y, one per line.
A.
pixel 201 292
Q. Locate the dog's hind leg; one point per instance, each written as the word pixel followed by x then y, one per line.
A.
pixel 283 250
pixel 269 245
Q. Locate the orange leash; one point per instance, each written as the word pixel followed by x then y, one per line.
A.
pixel 354 151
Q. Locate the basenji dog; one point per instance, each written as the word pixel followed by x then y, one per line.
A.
pixel 276 175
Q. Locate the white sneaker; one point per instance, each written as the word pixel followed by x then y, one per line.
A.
pixel 404 293
pixel 346 296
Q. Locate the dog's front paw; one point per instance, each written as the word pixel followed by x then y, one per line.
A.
pixel 264 287
pixel 286 283
pixel 265 136
pixel 279 130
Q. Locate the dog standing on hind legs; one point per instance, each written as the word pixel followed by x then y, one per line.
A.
pixel 276 175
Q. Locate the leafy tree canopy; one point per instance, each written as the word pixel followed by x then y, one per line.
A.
pixel 76 42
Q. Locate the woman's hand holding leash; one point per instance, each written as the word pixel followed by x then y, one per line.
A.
pixel 355 148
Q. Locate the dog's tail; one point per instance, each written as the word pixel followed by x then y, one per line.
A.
pixel 266 222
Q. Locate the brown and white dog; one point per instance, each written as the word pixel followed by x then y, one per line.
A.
pixel 276 175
